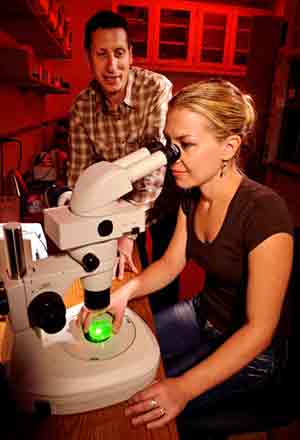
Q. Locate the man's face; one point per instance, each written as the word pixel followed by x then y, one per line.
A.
pixel 110 59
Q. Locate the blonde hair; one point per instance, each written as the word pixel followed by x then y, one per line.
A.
pixel 230 111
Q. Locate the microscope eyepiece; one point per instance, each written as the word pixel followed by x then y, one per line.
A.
pixel 172 152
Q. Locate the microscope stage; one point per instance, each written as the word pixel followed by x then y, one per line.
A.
pixel 75 375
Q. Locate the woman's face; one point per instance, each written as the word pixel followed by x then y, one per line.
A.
pixel 201 153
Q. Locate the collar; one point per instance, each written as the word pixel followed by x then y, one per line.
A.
pixel 128 95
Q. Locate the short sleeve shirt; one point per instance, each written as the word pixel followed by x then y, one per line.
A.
pixel 255 213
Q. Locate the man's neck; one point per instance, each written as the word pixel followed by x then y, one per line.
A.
pixel 114 100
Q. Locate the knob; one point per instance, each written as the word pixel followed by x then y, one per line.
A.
pixel 48 312
pixel 90 262
pixel 105 228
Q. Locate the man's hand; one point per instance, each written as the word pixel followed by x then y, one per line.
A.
pixel 124 259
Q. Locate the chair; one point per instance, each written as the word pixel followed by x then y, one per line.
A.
pixel 273 406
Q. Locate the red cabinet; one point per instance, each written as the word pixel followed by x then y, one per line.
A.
pixel 138 21
pixel 189 36
pixel 174 39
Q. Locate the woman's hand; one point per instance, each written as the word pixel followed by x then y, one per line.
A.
pixel 118 303
pixel 117 306
pixel 158 404
pixel 124 259
pixel 85 317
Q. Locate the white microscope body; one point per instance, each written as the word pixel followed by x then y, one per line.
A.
pixel 53 364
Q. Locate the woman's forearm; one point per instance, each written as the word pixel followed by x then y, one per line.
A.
pixel 237 351
pixel 158 275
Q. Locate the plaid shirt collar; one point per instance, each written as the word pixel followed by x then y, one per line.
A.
pixel 101 101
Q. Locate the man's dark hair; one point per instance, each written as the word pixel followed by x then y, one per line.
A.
pixel 105 20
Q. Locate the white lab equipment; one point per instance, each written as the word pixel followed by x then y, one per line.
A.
pixel 54 363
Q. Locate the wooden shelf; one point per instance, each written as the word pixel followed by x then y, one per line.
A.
pixel 174 25
pixel 136 21
pixel 213 27
pixel 206 67
pixel 173 43
pixel 21 21
pixel 42 87
pixel 213 49
pixel 138 40
pixel 246 30
pixel 241 51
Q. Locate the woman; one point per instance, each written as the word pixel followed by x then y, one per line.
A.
pixel 222 341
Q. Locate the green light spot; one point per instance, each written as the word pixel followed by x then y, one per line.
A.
pixel 100 329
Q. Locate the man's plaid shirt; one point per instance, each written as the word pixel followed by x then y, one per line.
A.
pixel 97 133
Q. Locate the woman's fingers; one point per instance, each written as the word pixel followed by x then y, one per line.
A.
pixel 149 417
pixel 116 268
pixel 121 268
pixel 148 412
pixel 131 265
pixel 117 322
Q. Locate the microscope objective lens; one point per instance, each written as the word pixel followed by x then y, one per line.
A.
pixel 100 329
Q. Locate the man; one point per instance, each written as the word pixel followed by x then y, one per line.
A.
pixel 122 110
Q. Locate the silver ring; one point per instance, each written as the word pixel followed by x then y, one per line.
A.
pixel 162 412
pixel 153 404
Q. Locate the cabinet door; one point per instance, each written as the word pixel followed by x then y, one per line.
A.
pixel 242 40
pixel 212 44
pixel 184 36
pixel 138 21
pixel 174 42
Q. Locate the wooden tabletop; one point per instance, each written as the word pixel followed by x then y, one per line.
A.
pixel 104 424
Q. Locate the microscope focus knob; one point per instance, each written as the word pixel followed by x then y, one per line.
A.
pixel 105 228
pixel 90 262
pixel 48 312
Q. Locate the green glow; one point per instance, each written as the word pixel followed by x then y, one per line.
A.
pixel 100 329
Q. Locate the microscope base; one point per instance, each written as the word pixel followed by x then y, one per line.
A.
pixel 74 376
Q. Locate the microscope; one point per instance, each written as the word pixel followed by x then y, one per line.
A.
pixel 55 365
